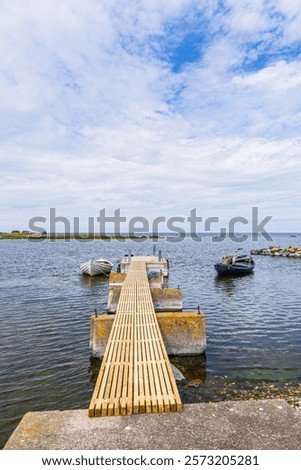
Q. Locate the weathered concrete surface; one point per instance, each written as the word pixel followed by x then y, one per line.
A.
pixel 167 300
pixel 113 298
pixel 184 333
pixel 116 279
pixel 266 424
pixel 164 300
pixel 100 330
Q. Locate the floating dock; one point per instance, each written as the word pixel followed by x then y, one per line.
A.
pixel 183 332
pixel 135 375
pixel 154 264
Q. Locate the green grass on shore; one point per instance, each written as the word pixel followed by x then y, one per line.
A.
pixel 28 235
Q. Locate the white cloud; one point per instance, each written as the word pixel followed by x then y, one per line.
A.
pixel 247 17
pixel 291 11
pixel 92 117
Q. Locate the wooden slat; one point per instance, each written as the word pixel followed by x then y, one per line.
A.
pixel 135 374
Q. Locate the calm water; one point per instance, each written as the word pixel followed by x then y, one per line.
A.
pixel 253 323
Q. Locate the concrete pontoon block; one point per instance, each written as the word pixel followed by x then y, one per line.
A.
pixel 167 300
pixel 116 279
pixel 164 300
pixel 184 333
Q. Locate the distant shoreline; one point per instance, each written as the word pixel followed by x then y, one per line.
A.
pixel 68 236
pixel 26 235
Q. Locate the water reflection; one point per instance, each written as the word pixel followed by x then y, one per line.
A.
pixel 94 281
pixel 94 368
pixel 193 369
pixel 227 284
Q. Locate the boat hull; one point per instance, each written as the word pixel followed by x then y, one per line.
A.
pixel 232 270
pixel 96 267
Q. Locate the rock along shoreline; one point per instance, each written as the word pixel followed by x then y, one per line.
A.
pixel 275 250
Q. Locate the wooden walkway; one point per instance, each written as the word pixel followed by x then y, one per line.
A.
pixel 135 374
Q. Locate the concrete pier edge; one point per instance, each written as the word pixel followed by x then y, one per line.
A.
pixel 244 425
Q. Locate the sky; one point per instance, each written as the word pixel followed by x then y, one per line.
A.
pixel 152 107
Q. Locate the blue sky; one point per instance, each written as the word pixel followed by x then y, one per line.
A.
pixel 152 107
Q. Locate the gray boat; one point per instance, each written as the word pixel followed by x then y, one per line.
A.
pixel 235 265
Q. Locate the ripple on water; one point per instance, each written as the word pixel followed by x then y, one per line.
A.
pixel 253 324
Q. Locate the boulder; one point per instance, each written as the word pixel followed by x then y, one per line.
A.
pixel 274 248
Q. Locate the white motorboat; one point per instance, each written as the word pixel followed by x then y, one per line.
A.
pixel 95 267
